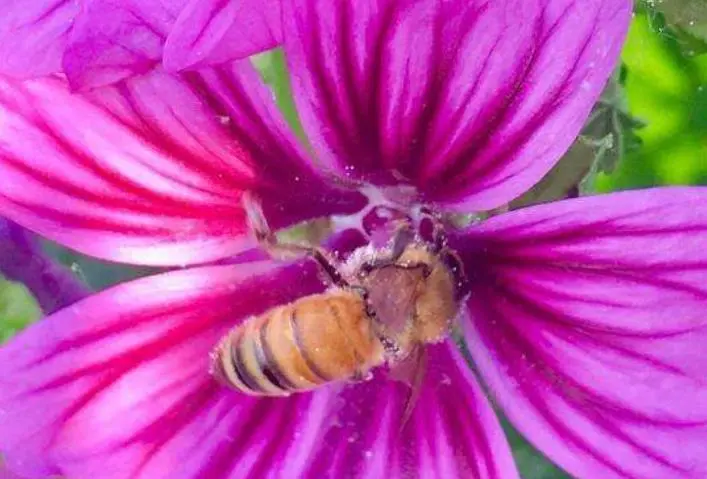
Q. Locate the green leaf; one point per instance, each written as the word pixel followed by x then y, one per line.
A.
pixel 18 308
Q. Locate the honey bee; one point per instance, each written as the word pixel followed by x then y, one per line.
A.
pixel 383 307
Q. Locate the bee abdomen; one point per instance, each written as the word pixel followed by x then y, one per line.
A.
pixel 299 346
pixel 241 362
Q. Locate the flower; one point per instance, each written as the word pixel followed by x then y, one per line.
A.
pixel 584 318
pixel 98 42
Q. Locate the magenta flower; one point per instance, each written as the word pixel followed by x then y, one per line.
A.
pixel 98 42
pixel 585 318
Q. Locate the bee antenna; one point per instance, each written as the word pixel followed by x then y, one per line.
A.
pixel 401 240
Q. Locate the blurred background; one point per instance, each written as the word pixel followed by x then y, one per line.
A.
pixel 649 129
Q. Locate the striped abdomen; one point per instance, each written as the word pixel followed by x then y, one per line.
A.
pixel 300 346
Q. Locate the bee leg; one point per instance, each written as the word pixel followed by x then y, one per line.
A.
pixel 285 251
pixel 449 257
pixel 328 267
pixel 265 237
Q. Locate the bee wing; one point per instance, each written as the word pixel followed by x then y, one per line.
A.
pixel 411 372
pixel 392 291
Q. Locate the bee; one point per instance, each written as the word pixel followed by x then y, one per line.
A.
pixel 383 307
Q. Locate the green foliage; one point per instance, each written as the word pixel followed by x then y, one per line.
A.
pixel 17 309
pixel 666 88
pixel 531 463
pixel 608 136
pixel 96 273
pixel 273 70
pixel 685 20
pixel 610 131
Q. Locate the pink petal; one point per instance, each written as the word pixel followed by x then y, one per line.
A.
pixel 258 125
pixel 453 432
pixel 151 171
pixel 113 40
pixel 33 35
pixel 470 101
pixel 216 31
pixel 588 323
pixel 5 473
pixel 117 386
